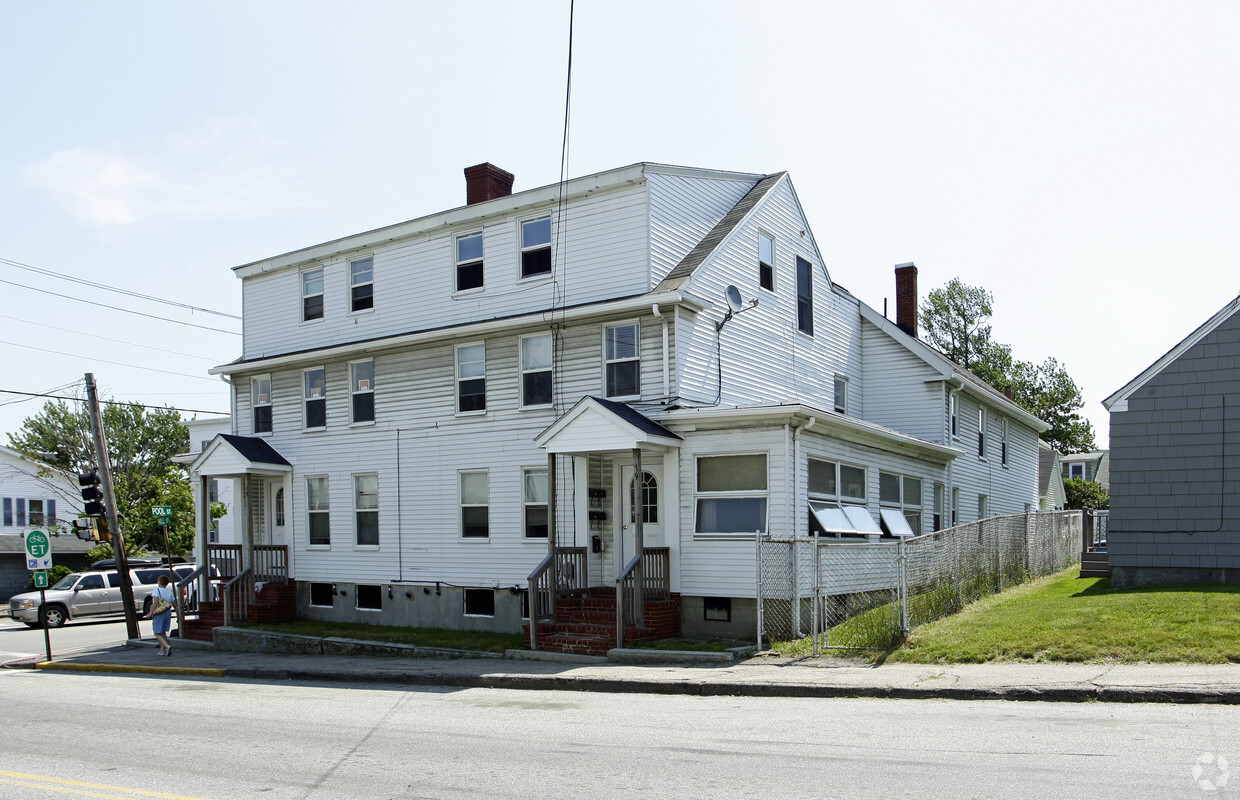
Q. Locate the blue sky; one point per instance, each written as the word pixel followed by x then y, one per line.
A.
pixel 1078 159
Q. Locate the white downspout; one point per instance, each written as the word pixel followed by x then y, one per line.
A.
pixel 667 371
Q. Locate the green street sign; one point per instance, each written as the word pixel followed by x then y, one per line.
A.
pixel 161 511
pixel 38 551
pixel 40 580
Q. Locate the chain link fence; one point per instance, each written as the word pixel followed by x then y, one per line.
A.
pixel 870 594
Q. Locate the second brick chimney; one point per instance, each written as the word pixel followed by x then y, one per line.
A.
pixel 906 298
pixel 485 182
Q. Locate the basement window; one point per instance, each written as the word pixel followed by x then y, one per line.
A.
pixel 322 595
pixel 369 598
pixel 479 602
pixel 717 609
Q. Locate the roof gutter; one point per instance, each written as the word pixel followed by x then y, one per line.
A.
pixel 627 305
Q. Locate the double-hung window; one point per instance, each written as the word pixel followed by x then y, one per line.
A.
pixel 1076 471
pixel 362 389
pixel 731 494
pixel 622 357
pixel 316 398
pixel 902 492
pixel 831 481
pixel 981 433
pixel 475 505
pixel 1003 442
pixel 366 509
pixel 841 394
pixel 8 512
pixel 21 512
pixel 938 506
pixel 805 296
pixel 953 414
pixel 36 514
pixel 983 506
pixel 260 395
pixel 469 261
pixel 312 294
pixel 955 507
pixel 318 511
pixel 766 262
pixel 536 246
pixel 534 491
pixel 536 362
pixel 362 284
pixel 471 378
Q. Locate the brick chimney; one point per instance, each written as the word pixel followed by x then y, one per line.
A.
pixel 485 182
pixel 906 298
pixel 1009 393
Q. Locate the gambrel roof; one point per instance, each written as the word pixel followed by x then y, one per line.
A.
pixel 1119 400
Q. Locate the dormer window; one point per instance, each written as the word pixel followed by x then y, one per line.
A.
pixel 536 247
pixel 469 261
pixel 312 294
pixel 362 284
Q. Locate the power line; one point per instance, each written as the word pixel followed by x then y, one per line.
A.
pixel 60 388
pixel 118 308
pixel 106 361
pixel 106 287
pixel 110 339
pixel 115 402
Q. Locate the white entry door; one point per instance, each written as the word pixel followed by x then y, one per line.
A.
pixel 277 508
pixel 648 495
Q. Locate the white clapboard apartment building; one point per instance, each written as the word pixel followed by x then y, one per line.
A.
pixel 627 375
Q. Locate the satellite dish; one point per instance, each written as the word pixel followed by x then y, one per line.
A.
pixel 733 296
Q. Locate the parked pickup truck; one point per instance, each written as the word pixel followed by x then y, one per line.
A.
pixel 95 593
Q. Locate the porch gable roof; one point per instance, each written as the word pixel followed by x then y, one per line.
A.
pixel 597 425
pixel 228 454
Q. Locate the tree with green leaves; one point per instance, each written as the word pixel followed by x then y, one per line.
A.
pixel 1085 494
pixel 956 322
pixel 141 444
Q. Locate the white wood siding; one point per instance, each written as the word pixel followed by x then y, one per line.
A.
pixel 683 209
pixel 1009 487
pixel 897 395
pixel 602 255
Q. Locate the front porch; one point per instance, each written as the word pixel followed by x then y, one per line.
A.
pixel 617 586
pixel 247 580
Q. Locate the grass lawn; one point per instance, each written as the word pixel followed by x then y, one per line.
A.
pixel 425 637
pixel 1066 618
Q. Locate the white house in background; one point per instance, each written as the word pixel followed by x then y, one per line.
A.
pixel 219 490
pixel 425 414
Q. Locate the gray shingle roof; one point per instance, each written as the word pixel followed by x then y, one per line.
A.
pixel 635 418
pixel 254 449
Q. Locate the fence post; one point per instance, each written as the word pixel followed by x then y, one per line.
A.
pixel 998 565
pixel 903 592
pixel 817 592
pixel 757 545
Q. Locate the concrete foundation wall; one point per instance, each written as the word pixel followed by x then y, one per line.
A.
pixel 1136 577
pixel 743 626
pixel 415 607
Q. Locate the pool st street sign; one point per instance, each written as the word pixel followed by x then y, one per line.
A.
pixel 38 551
pixel 164 513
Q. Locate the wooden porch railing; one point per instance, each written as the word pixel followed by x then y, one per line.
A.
pixel 237 593
pixel 271 563
pixel 226 558
pixel 655 577
pixel 571 577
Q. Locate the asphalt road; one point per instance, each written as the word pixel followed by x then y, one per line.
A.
pixel 19 641
pixel 70 735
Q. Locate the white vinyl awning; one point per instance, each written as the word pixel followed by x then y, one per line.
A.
pixel 834 518
pixel 895 522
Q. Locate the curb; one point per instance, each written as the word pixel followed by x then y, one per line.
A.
pixel 1074 694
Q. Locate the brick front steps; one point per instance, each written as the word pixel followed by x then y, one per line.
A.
pixel 275 603
pixel 587 625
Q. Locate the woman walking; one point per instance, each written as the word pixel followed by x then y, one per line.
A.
pixel 162 601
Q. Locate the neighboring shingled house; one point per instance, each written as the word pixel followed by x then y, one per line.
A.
pixel 1051 495
pixel 1094 467
pixel 1175 494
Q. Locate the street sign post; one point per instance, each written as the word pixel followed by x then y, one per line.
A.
pixel 40 580
pixel 163 513
pixel 38 551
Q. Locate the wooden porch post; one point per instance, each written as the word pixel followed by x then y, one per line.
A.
pixel 247 538
pixel 204 540
pixel 639 540
pixel 551 534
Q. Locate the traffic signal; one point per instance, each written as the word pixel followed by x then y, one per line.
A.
pixel 91 493
pixel 83 530
pixel 102 532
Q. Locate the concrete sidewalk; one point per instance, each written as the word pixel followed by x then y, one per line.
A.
pixel 761 676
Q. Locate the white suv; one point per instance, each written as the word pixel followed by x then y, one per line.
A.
pixel 95 593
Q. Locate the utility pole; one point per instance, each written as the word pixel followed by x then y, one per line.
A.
pixel 109 507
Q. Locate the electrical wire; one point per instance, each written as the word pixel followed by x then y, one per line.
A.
pixel 115 402
pixel 106 361
pixel 46 392
pixel 110 339
pixel 118 308
pixel 559 272
pixel 95 285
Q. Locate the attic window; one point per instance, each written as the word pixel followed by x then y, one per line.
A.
pixel 469 261
pixel 536 247
pixel 766 262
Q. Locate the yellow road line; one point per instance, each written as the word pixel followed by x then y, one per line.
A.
pixel 62 785
pixel 67 666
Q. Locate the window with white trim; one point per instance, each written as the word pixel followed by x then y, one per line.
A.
pixel 479 602
pixel 362 391
pixel 953 413
pixel 362 284
pixel 829 480
pixel 536 377
pixel 8 512
pixel 312 294
pixel 805 296
pixel 471 378
pixel 21 512
pixel 260 403
pixel 534 499
pixel 622 359
pixel 649 502
pixel 475 504
pixel 938 506
pixel 36 514
pixel 766 262
pixel 536 246
pixel 841 394
pixel 1076 471
pixel 315 381
pixel 981 433
pixel 731 493
pixel 955 507
pixel 368 597
pixel 983 506
pixel 366 509
pixel 469 274
pixel 902 492
pixel 1003 431
pixel 318 510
